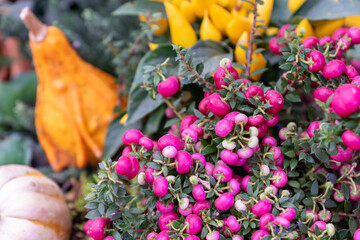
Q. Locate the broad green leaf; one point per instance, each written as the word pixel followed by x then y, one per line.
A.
pixel 140 7
pixel 328 9
pixel 16 149
pixel 140 104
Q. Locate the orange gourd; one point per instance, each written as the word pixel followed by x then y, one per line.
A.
pixel 32 206
pixel 75 100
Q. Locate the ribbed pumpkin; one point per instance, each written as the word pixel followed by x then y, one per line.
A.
pixel 32 206
pixel 75 100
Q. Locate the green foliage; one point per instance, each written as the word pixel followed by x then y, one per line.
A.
pixel 16 149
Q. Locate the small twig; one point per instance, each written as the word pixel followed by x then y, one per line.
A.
pixel 190 69
pixel 172 107
pixel 251 39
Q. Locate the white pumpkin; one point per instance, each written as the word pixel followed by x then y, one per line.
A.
pixel 32 206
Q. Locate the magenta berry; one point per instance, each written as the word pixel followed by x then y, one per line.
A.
pixel 183 162
pixel 333 69
pixel 289 214
pixel 312 127
pixel 224 127
pixel 199 157
pixel 152 236
pixel 215 235
pixel 169 87
pixel 351 72
pixel 165 219
pixel 233 224
pixel 357 234
pixel 276 100
pixel 323 93
pixel 317 60
pixel 259 234
pixel 280 179
pixel 187 122
pixel 283 29
pixel 234 186
pixel 320 224
pixel 342 155
pixel 231 116
pixel 160 186
pixel 223 172
pixel 95 228
pixel 261 207
pixel 187 211
pixel 279 220
pixel 228 157
pixel 189 135
pixel 169 152
pixel 218 106
pixel 203 106
pixel 310 42
pixel 198 192
pixel 199 206
pixel 209 168
pixel 221 72
pixel 224 202
pixel 272 121
pixel 245 153
pixel 244 183
pixel 346 100
pixel 265 220
pixel 149 175
pixel 354 34
pixel 194 224
pixel 341 32
pixel 170 140
pixel 135 167
pixel 255 120
pixel 351 140
pixel 147 143
pixel 269 140
pixel 109 238
pixel 325 215
pixel 276 153
pixel 274 46
pixel 169 113
pixel 163 235
pixel 192 237
pixel 164 208
pixel 327 40
pixel 241 119
pixel 254 92
pixel 344 44
pixel 132 136
pixel 123 165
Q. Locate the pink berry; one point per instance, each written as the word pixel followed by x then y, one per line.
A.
pixel 183 162
pixel 265 220
pixel 170 140
pixel 169 87
pixel 282 222
pixel 341 32
pixel 198 192
pixel 357 234
pixel 224 202
pixel 199 158
pixel 221 72
pixel 276 100
pixel 218 106
pixel 289 214
pixel 209 168
pixel 281 179
pixel 194 224
pixel 169 152
pixel 228 157
pixel 187 122
pixel 351 72
pixel 276 153
pixel 244 183
pixel 254 92
pixel 169 113
pixel 255 120
pixel 342 156
pixel 132 136
pixel 165 219
pixel 164 208
pixel 189 135
pixel 344 44
pixel 163 235
pixel 312 127
pixel 203 106
pixel 160 186
pixel 149 175
pixel 259 234
pixel 269 140
pixel 346 100
pixel 323 93
pixel 310 42
pixel 351 140
pixel 325 215
pixel 354 34
pixel 135 167
pixel 241 119
pixel 95 228
pixel 234 186
pixel 317 59
pixel 320 224
pixel 231 116
pixel 215 235
pixel 275 46
pixel 152 236
pixel 245 153
pixel 187 211
pixel 147 143
pixel 192 237
pixel 272 121
pixel 323 41
pixel 261 207
pixel 223 172
pixel 356 81
pixel 109 238
pixel 199 206
pixel 224 127
pixel 333 69
pixel 283 29
pixel 233 224
pixel 123 165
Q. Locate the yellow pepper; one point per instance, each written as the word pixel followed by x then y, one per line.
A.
pixel 240 53
pixel 264 12
pixel 153 46
pixel 294 5
pixel 187 9
pixel 220 17
pixel 352 21
pixel 160 25
pixel 272 31
pixel 227 3
pixel 236 27
pixel 258 62
pixel 327 27
pixel 181 30
pixel 306 25
pixel 247 7
pixel 208 30
pixel 200 6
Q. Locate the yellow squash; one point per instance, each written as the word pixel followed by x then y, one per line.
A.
pixel 236 27
pixel 264 12
pixel 75 100
pixel 294 5
pixel 181 30
pixel 306 25
pixel 258 61
pixel 200 6
pixel 187 9
pixel 327 27
pixel 352 21
pixel 220 17
pixel 208 30
pixel 240 53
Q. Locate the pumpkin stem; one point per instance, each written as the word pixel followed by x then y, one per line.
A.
pixel 37 30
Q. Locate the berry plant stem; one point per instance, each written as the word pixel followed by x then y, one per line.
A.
pixel 173 108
